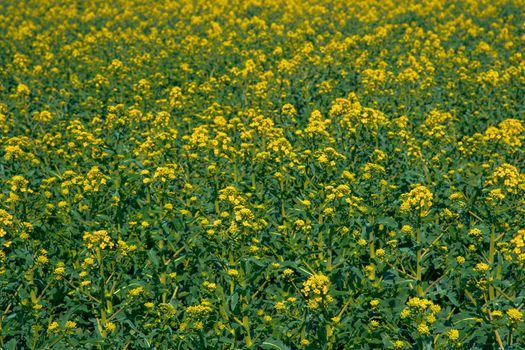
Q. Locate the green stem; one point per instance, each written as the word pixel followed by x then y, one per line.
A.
pixel 248 338
pixel 372 251
pixel 492 250
pixel 330 253
pixel 419 268
pixel 281 186
pixel 372 244
pixel 235 170
pixel 320 238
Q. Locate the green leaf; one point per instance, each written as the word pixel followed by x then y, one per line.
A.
pixel 272 343
pixel 234 300
pixel 10 345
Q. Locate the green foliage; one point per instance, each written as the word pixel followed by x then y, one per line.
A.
pixel 262 174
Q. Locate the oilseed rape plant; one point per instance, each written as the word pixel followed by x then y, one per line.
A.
pixel 251 174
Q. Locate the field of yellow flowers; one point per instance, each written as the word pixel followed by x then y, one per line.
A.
pixel 249 174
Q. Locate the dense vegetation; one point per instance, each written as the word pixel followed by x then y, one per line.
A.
pixel 282 174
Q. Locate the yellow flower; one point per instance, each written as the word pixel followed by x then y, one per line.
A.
pixel 497 314
pixel 407 229
pixel 166 310
pixel 289 110
pixel 399 344
pixel 380 253
pixel 41 260
pixel 43 117
pixel 233 273
pixel 135 292
pixel 419 303
pixel 110 327
pixel 99 239
pixel 405 313
pixel 70 325
pixel 507 175
pixel 317 284
pixel 209 286
pixel 288 272
pixel 435 308
pixel 481 267
pixel 453 334
pixel 476 233
pixel 198 325
pixel 280 306
pixel 515 315
pixel 53 327
pixel 22 89
pixel 201 310
pixel 423 329
pixel 418 199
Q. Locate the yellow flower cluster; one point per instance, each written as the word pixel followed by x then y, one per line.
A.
pixel 125 248
pixel 476 233
pixel 482 267
pixel 453 335
pixel 6 219
pixel 227 149
pixel 518 243
pixel 315 289
pixel 43 116
pixel 422 304
pixel 165 173
pixel 94 180
pixel 422 312
pixel 515 315
pixel 418 199
pixel 509 132
pixel 166 310
pixel 508 176
pixel 135 292
pixel 201 310
pixel 98 239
